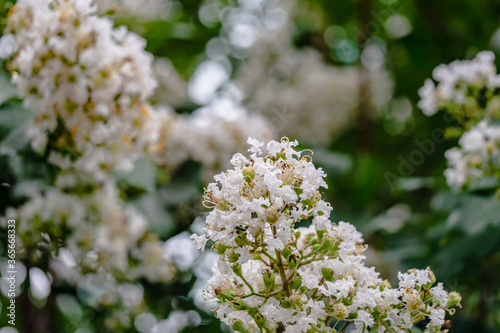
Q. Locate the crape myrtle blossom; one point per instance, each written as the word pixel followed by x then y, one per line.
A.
pixel 98 230
pixel 468 91
pixel 272 276
pixel 463 88
pixel 87 82
pixel 210 135
pixel 477 157
pixel 95 243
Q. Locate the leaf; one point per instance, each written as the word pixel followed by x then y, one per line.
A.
pixel 333 162
pixel 143 175
pixel 474 213
pixel 179 193
pixel 17 138
pixel 161 221
pixel 414 183
pixel 12 116
pixel 7 90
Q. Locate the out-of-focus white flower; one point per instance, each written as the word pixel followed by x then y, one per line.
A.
pixel 476 157
pixel 210 135
pixel 453 80
pixel 95 232
pixel 87 82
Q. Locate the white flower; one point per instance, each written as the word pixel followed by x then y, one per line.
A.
pixel 199 241
pixel 437 317
pixel 428 99
pixel 439 294
pixel 475 157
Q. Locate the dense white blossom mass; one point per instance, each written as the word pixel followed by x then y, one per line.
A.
pixel 468 91
pixel 477 157
pixel 87 82
pixel 453 81
pixel 273 275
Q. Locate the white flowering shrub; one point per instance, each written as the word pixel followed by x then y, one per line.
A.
pixel 463 88
pixel 87 82
pixel 468 91
pixel 477 157
pixel 273 276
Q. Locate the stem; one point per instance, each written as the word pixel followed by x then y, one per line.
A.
pixel 282 273
pixel 342 329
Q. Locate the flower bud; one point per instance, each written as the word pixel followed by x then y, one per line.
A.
pixel 225 295
pixel 272 214
pixel 320 233
pixel 341 311
pixel 240 305
pixel 292 261
pixel 385 285
pixel 238 326
pixel 432 277
pixel 327 273
pixel 325 246
pixel 259 320
pixel 237 269
pixel 221 247
pixel 248 173
pixel 454 299
pixel 285 303
pixel 296 282
pixel 286 253
pixel 269 278
pixel 241 239
pixel 231 255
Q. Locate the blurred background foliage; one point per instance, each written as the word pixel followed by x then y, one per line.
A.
pixel 407 213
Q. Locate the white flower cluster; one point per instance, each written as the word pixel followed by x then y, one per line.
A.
pixel 477 157
pixel 210 135
pixel 259 189
pixel 97 229
pixel 468 90
pixel 93 242
pixel 273 276
pixel 455 80
pixel 87 82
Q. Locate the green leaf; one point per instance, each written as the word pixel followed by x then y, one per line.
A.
pixel 333 162
pixel 17 138
pixel 474 213
pixel 179 193
pixel 143 176
pixel 13 116
pixel 7 90
pixel 161 221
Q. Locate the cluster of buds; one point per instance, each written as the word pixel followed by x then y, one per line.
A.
pixel 273 275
